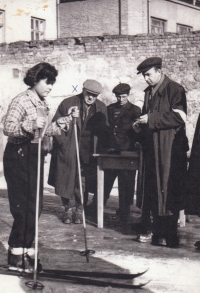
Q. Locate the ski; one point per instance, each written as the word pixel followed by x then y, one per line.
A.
pixel 96 274
pixel 84 278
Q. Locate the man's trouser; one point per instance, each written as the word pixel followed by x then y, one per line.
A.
pixel 126 186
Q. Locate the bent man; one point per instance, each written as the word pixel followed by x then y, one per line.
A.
pixel 91 116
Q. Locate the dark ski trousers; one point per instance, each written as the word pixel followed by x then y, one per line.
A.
pixel 20 170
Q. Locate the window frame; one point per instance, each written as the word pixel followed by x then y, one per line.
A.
pixel 3 25
pixel 163 23
pixel 193 3
pixel 68 1
pixel 37 31
pixel 179 25
pixel 186 1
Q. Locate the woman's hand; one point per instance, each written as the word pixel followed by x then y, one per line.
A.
pixel 39 123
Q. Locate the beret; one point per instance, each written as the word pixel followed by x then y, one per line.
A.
pixel 122 88
pixel 93 86
pixel 149 63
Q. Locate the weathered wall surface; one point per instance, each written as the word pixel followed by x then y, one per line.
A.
pixel 110 60
pixel 18 15
pixel 98 18
pixel 137 17
pixel 89 18
pixel 175 14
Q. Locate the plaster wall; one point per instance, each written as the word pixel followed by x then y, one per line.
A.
pixel 137 16
pixel 18 15
pixel 175 14
pixel 98 18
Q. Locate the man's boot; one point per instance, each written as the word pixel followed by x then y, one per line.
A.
pixel 68 215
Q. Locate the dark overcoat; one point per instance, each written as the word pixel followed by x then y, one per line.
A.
pixel 63 167
pixel 165 147
pixel 192 202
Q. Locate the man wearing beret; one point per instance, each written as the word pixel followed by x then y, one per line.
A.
pixel 91 117
pixel 165 145
pixel 121 115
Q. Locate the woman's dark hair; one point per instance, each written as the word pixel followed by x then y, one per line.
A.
pixel 40 71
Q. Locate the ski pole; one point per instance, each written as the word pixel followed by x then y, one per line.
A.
pixel 87 251
pixel 34 284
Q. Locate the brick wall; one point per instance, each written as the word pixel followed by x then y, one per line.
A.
pixel 109 59
pixel 89 18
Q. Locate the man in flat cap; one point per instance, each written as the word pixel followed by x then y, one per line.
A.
pixel 165 145
pixel 121 115
pixel 91 117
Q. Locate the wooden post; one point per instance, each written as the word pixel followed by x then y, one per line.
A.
pixel 182 218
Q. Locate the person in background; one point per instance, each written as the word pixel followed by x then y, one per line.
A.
pixel 192 202
pixel 121 115
pixel 91 117
pixel 21 124
pixel 165 150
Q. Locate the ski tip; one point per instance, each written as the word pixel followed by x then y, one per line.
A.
pixel 144 284
pixel 140 285
pixel 139 274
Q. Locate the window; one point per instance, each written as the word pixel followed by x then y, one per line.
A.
pixel 192 2
pixel 2 26
pixel 64 1
pixel 157 26
pixel 187 1
pixel 197 3
pixel 183 28
pixel 37 29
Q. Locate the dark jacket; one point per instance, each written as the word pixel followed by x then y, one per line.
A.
pixel 165 144
pixel 192 203
pixel 62 174
pixel 122 135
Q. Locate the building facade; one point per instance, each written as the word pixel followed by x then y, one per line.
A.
pixel 127 17
pixel 26 20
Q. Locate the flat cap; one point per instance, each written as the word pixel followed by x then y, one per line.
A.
pixel 122 88
pixel 93 86
pixel 149 63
